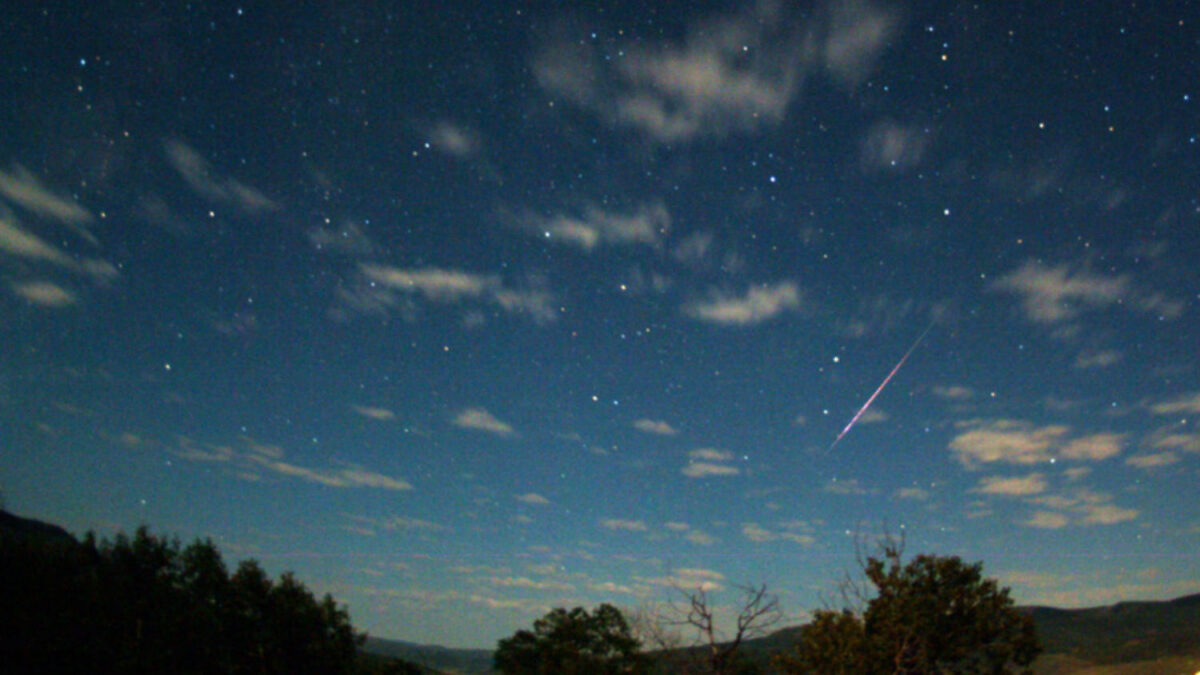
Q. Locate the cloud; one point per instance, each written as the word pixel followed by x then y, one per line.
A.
pixel 700 537
pixel 198 174
pixel 43 293
pixel 1186 403
pixel 857 32
pixel 711 454
pixel 1012 486
pixel 1006 441
pixel 890 146
pixel 533 498
pixel 1079 507
pixel 482 420
pixel 24 189
pixel 916 493
pixel 1095 447
pixel 953 392
pixel 647 224
pixel 688 578
pixel 253 456
pixel 758 534
pixel 410 524
pixel 704 469
pixel 381 414
pixel 527 583
pixel 1090 359
pixel 1049 520
pixel 381 284
pixel 658 427
pixel 1153 460
pixel 17 241
pixel 1052 295
pixel 845 487
pixel 454 140
pixel 734 73
pixel 625 525
pixel 347 239
pixel 760 303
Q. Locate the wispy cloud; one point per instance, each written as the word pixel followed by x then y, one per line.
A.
pixel 891 146
pixel 688 578
pixel 455 140
pixel 381 284
pixel 1079 507
pixel 845 487
pixel 250 457
pixel 22 188
pixel 482 420
pixel 1153 460
pixel 371 412
pixel 624 525
pixel 758 304
pixel 1013 486
pixel 1055 294
pixel 734 73
pixel 1090 359
pixel 646 224
pixel 704 462
pixel 198 173
pixel 1005 441
pixel 1094 447
pixel 1186 403
pixel 43 293
pixel 759 534
pixel 658 427
pixel 533 498
pixel 953 392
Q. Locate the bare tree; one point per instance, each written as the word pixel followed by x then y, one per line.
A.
pixel 757 612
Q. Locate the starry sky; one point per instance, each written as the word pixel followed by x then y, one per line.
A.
pixel 464 311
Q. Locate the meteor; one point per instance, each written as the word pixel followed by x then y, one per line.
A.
pixel 887 379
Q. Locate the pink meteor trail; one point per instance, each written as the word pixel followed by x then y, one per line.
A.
pixel 887 379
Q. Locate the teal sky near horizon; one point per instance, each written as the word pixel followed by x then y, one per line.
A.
pixel 468 311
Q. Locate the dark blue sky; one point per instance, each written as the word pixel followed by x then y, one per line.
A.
pixel 465 313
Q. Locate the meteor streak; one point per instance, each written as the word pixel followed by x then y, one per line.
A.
pixel 887 379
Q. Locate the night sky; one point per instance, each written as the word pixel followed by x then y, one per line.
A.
pixel 464 311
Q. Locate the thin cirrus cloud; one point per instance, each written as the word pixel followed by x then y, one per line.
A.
pixel 24 189
pixel 620 524
pixel 375 413
pixel 533 498
pixel 757 305
pixel 733 73
pixel 1019 442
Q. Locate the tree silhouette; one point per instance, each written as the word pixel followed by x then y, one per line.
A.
pixel 935 614
pixel 573 642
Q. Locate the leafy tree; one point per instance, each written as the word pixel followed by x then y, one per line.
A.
pixel 575 642
pixel 142 604
pixel 935 614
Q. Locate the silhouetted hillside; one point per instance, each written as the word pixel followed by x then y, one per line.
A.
pixel 445 659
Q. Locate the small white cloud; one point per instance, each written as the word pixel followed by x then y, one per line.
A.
pixel 533 498
pixel 845 487
pixel 953 392
pixel 454 140
pixel 700 537
pixel 915 493
pixel 482 420
pixel 1091 359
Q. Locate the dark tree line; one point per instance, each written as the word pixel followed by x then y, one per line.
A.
pixel 143 604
